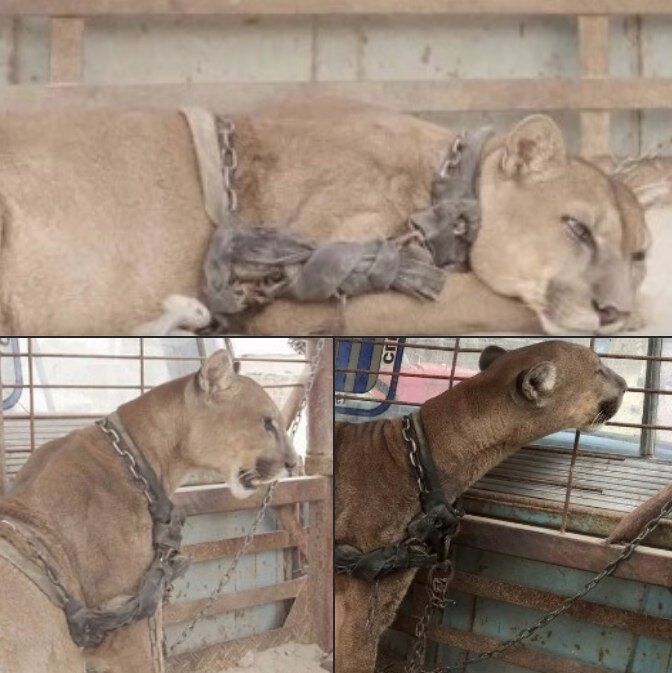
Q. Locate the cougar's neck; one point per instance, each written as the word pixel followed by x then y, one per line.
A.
pixel 156 422
pixel 470 430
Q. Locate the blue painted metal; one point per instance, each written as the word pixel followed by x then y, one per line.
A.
pixel 368 357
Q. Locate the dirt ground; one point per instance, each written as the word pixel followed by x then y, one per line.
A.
pixel 289 658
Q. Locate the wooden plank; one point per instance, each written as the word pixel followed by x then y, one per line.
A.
pixel 212 498
pixel 412 96
pixel 527 657
pixel 287 516
pixel 208 551
pixel 594 58
pixel 67 50
pixel 630 621
pixel 321 413
pixel 321 572
pixel 298 620
pixel 238 600
pixel 571 550
pixel 222 655
pixel 329 7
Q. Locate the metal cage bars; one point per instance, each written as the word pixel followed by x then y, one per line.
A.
pixel 651 391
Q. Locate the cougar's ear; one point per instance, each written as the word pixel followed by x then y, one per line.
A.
pixel 489 355
pixel 217 373
pixel 534 147
pixel 536 385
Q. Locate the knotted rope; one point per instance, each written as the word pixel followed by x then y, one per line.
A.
pixel 246 268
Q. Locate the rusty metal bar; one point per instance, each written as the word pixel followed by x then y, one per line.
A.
pixel 130 386
pixel 572 465
pixel 527 657
pixel 571 550
pixel 164 358
pixel 142 364
pixel 31 395
pixel 447 377
pixel 420 346
pixel 637 623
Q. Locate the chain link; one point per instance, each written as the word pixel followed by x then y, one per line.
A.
pixel 46 566
pixel 115 440
pixel 314 365
pixel 413 453
pixel 438 599
pixel 226 131
pixel 453 158
pixel 226 577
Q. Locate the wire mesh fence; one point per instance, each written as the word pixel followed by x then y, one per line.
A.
pixel 570 475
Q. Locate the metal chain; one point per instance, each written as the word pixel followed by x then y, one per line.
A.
pixel 453 157
pixel 115 440
pixel 413 453
pixel 438 599
pixel 48 570
pixel 230 570
pixel 308 386
pixel 249 537
pixel 226 130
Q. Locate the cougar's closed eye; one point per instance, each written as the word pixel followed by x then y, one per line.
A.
pixel 579 230
pixel 638 256
pixel 268 424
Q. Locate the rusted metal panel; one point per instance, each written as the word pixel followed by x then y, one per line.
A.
pixel 546 601
pixel 583 552
pixel 534 660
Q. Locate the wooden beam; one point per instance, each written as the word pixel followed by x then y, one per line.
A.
pixel 287 516
pixel 321 413
pixel 321 571
pixel 583 552
pixel 411 96
pixel 218 498
pixel 524 656
pixel 208 551
pixel 180 612
pixel 594 57
pixel 67 50
pixel 329 7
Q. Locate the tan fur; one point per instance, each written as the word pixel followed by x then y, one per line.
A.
pixel 90 515
pixel 470 429
pixel 633 522
pixel 103 219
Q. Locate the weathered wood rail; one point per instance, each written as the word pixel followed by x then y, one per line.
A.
pixel 594 93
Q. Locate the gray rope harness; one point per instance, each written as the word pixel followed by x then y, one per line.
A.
pixel 89 626
pixel 246 268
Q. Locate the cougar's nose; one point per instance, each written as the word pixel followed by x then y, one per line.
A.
pixel 291 459
pixel 608 315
